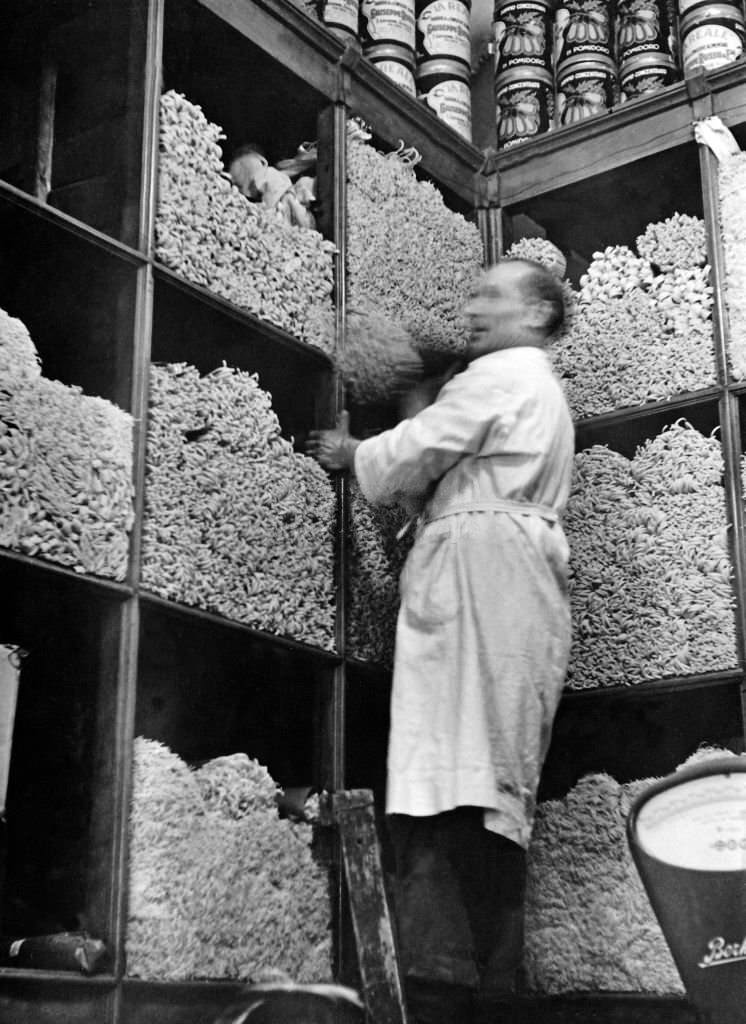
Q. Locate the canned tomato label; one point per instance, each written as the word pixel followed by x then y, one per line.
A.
pixel 443 30
pixel 522 33
pixel 582 27
pixel 396 62
pixel 387 21
pixel 341 17
pixel 642 27
pixel 525 105
pixel 444 86
pixel 711 36
pixel 645 73
pixel 585 88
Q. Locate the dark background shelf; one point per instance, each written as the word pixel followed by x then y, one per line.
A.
pixel 76 299
pixel 59 847
pixel 626 429
pixel 236 83
pixel 189 325
pixel 206 691
pixel 613 207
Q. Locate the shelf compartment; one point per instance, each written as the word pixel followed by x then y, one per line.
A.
pixel 624 429
pixel 307 46
pixel 192 325
pixel 204 227
pixel 10 195
pixel 76 299
pixel 29 572
pixel 74 77
pixel 207 688
pixel 636 735
pixel 62 792
pixel 610 206
pixel 220 623
pixel 633 132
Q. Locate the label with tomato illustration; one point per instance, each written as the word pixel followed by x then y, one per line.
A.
pixel 522 35
pixel 525 105
pixel 645 73
pixel 642 27
pixel 582 27
pixel 443 30
pixel 387 21
pixel 584 91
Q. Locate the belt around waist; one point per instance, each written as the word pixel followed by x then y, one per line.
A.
pixel 520 508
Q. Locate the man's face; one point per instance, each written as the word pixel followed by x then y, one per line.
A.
pixel 498 311
pixel 248 173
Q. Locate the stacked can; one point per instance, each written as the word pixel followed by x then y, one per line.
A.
pixel 443 51
pixel 585 71
pixel 711 34
pixel 524 94
pixel 387 36
pixel 644 47
pixel 342 17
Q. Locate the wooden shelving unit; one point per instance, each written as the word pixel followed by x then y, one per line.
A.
pixel 110 661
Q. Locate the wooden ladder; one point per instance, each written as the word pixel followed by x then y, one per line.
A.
pixel 352 812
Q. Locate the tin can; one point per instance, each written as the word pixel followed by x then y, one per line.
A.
pixel 443 29
pixel 387 21
pixel 444 85
pixel 582 27
pixel 524 100
pixel 342 17
pixel 585 88
pixel 642 26
pixel 645 73
pixel 712 35
pixel 522 34
pixel 396 62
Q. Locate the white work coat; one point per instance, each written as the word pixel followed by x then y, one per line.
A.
pixel 483 632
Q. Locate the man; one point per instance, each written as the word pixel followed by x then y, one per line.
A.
pixel 252 175
pixel 482 639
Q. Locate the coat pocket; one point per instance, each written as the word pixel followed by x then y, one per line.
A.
pixel 429 594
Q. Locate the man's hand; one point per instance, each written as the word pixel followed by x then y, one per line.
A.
pixel 334 449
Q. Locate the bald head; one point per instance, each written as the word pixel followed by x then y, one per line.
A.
pixel 517 303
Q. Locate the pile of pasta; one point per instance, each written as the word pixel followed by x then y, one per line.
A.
pixel 589 924
pixel 212 235
pixel 65 466
pixel 650 580
pixel 641 328
pixel 407 254
pixel 236 521
pixel 220 886
pixel 376 557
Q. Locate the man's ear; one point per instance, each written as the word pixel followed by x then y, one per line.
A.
pixel 538 314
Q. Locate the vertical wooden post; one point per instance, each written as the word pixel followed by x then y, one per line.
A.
pixel 42 172
pixel 489 216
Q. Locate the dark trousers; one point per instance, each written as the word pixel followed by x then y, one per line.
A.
pixel 459 901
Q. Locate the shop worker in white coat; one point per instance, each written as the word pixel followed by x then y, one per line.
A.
pixel 482 639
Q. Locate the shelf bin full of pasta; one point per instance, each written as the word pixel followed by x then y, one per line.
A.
pixel 250 235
